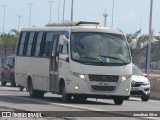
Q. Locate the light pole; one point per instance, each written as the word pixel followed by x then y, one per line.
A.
pixel 72 11
pixel 112 12
pixel 4 6
pixel 19 20
pixel 30 5
pixel 63 9
pixel 58 8
pixel 150 37
pixel 50 9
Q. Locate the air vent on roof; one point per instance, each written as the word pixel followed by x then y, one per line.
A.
pixel 71 23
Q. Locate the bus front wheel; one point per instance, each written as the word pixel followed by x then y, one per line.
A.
pixel 65 97
pixel 118 101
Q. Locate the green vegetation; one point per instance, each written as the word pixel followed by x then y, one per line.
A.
pixel 9 38
pixel 140 52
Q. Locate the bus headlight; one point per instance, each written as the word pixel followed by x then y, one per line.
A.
pixel 78 75
pixel 125 77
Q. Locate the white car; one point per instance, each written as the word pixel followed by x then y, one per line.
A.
pixel 140 85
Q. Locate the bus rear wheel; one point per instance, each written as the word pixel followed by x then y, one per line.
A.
pixel 65 97
pixel 34 93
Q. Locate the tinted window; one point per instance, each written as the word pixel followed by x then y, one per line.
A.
pixel 38 43
pixel 55 44
pixel 65 49
pixel 7 61
pixel 22 40
pixel 48 44
pixel 11 61
pixel 30 43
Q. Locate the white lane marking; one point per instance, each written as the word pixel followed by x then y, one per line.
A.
pixel 59 104
pixel 76 107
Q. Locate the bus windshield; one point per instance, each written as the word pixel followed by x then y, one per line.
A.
pixel 95 47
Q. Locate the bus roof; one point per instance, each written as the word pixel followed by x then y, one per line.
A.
pixel 75 26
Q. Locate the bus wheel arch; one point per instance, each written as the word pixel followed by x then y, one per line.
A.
pixel 62 90
pixel 32 92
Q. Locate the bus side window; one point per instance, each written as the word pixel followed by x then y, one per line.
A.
pixel 64 49
pixel 54 46
pixel 48 45
pixel 30 43
pixel 38 44
pixel 21 45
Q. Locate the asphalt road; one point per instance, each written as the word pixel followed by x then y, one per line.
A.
pixel 11 97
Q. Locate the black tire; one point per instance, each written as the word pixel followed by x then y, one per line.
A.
pixel 21 88
pixel 127 98
pixel 34 93
pixel 13 84
pixel 76 98
pixel 3 83
pixel 39 94
pixel 118 101
pixel 65 97
pixel 145 97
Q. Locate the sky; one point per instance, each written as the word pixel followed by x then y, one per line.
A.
pixel 129 15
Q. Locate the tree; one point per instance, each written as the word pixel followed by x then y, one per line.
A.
pixel 140 52
pixel 8 42
pixel 9 38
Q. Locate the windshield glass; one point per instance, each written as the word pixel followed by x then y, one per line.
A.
pixel 136 71
pixel 99 48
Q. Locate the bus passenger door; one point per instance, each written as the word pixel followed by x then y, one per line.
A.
pixel 54 60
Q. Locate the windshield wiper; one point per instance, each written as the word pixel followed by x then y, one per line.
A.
pixel 93 59
pixel 115 59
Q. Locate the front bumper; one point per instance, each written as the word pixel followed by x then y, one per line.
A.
pixel 97 88
pixel 141 90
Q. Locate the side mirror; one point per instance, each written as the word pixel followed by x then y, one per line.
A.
pixel 133 44
pixel 144 74
pixel 63 39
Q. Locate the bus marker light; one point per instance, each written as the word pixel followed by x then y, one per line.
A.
pixel 127 89
pixel 76 87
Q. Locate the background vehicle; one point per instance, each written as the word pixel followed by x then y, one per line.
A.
pixel 140 85
pixel 8 73
pixel 75 59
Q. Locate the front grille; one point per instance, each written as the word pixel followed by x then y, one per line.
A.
pixel 137 84
pixel 104 78
pixel 103 88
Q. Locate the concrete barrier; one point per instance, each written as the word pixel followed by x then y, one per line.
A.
pixel 155 88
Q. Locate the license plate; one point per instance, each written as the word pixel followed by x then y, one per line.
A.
pixel 135 89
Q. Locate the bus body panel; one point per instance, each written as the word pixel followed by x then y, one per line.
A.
pixel 37 68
